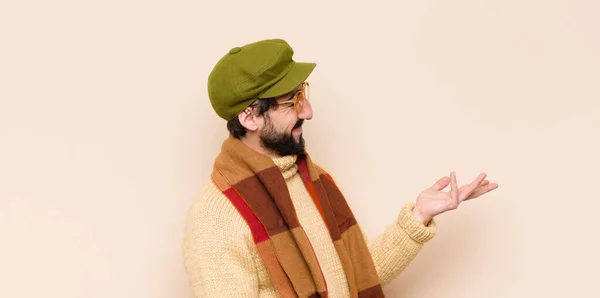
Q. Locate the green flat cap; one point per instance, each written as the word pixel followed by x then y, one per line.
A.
pixel 263 69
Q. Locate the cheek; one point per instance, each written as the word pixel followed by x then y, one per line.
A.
pixel 281 121
pixel 261 123
pixel 277 122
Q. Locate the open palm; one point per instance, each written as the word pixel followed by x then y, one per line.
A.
pixel 434 201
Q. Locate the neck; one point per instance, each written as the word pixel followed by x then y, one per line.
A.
pixel 255 144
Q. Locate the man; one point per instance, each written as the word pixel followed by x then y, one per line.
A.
pixel 270 222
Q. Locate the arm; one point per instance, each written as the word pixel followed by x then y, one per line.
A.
pixel 399 244
pixel 216 250
pixel 402 241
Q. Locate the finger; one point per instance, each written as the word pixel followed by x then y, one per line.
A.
pixel 483 183
pixel 467 192
pixel 482 190
pixel 480 178
pixel 453 190
pixel 441 184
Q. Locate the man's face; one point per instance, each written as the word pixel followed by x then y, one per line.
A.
pixel 282 130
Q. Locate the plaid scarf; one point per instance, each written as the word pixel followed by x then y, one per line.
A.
pixel 257 189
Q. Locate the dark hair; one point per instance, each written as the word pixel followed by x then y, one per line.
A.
pixel 235 127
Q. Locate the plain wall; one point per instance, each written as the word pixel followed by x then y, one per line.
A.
pixel 106 135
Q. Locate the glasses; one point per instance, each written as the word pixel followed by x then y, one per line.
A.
pixel 297 99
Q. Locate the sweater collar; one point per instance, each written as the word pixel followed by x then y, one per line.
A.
pixel 287 165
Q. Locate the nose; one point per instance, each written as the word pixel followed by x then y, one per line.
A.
pixel 307 112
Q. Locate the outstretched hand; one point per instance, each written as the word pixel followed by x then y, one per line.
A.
pixel 434 201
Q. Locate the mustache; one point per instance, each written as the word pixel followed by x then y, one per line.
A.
pixel 299 123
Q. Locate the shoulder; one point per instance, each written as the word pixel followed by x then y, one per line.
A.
pixel 211 211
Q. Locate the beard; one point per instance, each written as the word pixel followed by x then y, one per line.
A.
pixel 282 143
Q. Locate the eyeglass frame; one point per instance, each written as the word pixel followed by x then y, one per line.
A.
pixel 298 104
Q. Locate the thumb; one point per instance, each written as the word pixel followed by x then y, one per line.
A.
pixel 442 183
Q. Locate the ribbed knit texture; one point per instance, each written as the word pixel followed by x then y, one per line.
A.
pixel 222 261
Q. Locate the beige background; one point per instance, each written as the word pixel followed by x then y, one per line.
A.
pixel 106 134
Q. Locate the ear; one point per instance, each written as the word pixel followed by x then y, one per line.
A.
pixel 246 118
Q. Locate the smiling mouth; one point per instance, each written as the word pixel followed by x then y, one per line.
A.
pixel 299 124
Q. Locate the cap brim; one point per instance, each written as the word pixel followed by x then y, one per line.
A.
pixel 296 76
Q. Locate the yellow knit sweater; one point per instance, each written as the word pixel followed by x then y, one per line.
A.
pixel 222 261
